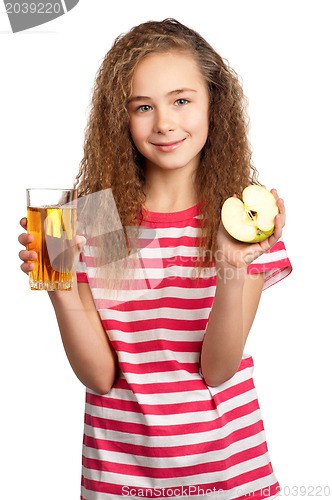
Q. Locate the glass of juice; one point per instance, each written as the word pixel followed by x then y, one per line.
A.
pixel 52 221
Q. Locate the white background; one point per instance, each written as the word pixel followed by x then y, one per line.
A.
pixel 281 50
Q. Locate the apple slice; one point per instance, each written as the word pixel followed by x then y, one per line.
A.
pixel 252 219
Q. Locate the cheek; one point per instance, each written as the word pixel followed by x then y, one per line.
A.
pixel 198 122
pixel 199 127
pixel 138 131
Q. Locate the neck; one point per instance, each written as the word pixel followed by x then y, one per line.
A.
pixel 169 190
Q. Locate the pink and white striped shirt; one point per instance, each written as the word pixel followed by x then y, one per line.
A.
pixel 161 432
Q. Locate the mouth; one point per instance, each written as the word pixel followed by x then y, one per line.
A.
pixel 168 146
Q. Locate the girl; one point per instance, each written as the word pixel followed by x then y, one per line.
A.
pixel 171 408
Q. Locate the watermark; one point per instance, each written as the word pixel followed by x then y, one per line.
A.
pixel 217 261
pixel 25 14
pixel 116 251
pixel 195 490
pixel 127 262
pixel 183 491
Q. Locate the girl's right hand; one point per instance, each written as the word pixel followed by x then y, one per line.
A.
pixel 26 255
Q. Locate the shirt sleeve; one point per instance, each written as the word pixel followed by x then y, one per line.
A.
pixel 81 273
pixel 275 263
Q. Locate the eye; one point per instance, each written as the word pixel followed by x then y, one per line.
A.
pixel 181 102
pixel 144 108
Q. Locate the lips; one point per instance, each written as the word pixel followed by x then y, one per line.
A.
pixel 168 146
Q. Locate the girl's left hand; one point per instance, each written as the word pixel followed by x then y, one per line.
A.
pixel 236 254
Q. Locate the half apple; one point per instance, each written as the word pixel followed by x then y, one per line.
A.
pixel 252 218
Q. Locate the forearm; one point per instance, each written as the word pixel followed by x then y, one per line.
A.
pixel 92 359
pixel 224 340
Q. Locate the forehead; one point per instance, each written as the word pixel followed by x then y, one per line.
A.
pixel 166 71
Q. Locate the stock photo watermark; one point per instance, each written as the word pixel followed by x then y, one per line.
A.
pixel 115 252
pixel 195 490
pixel 24 15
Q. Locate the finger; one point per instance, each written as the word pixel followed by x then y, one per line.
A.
pixel 25 238
pixel 277 233
pixel 25 255
pixel 24 222
pixel 282 213
pixel 27 267
pixel 278 226
pixel 281 205
pixel 80 242
pixel 271 241
pixel 280 201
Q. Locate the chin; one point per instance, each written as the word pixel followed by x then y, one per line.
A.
pixel 173 163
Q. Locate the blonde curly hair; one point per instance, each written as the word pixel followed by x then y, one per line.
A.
pixel 111 159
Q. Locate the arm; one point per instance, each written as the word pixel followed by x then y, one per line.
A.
pixel 235 303
pixel 232 314
pixel 87 346
pixel 85 341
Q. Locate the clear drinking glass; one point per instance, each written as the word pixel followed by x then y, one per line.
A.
pixel 52 221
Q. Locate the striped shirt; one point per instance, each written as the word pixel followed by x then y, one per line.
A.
pixel 161 432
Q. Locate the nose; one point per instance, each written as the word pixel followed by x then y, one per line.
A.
pixel 164 121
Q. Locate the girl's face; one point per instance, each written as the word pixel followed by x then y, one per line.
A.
pixel 169 111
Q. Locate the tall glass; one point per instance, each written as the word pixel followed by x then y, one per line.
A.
pixel 52 221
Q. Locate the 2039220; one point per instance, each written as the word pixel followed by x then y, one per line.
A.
pixel 33 8
pixel 305 491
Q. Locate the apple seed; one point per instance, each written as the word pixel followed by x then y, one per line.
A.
pixel 252 214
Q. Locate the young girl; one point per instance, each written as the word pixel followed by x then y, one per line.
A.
pixel 171 407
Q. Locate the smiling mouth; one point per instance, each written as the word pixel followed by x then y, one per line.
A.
pixel 168 146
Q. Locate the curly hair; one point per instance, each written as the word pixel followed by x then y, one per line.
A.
pixel 111 159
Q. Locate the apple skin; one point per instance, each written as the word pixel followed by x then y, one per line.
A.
pixel 246 227
pixel 262 236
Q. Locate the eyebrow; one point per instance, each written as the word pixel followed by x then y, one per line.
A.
pixel 173 92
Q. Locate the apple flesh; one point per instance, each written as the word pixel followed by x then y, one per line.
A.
pixel 252 218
